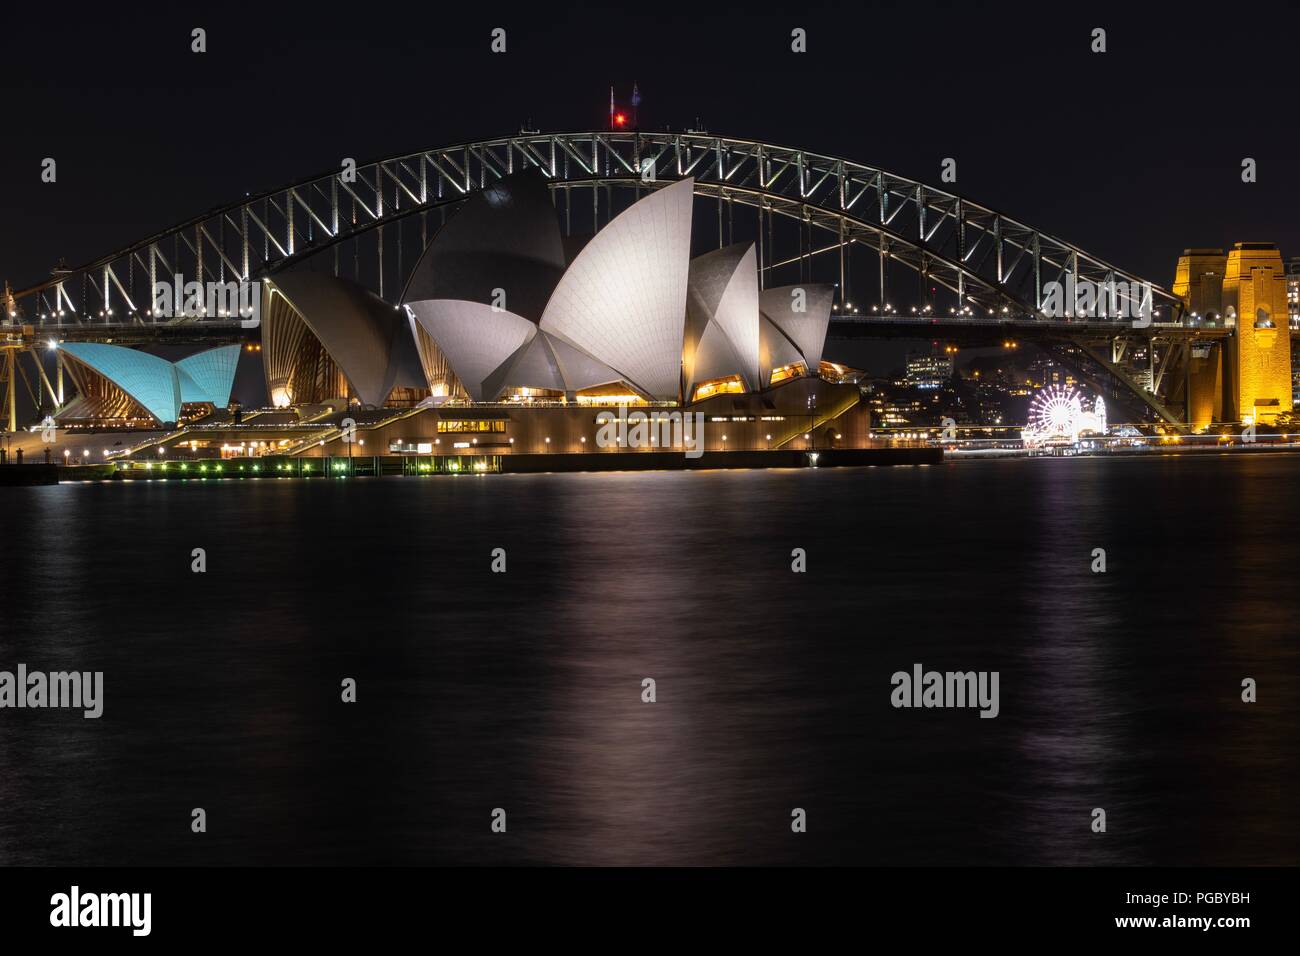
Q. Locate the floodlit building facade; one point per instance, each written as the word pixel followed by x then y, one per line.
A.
pixel 512 338
pixel 1248 377
pixel 628 316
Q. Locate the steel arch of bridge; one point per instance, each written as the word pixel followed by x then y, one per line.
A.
pixel 986 259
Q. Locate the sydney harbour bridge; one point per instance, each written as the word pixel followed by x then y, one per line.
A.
pixel 909 259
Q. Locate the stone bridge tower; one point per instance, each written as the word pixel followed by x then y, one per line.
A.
pixel 1248 377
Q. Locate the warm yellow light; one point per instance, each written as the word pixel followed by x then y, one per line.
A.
pixel 611 399
pixel 787 372
pixel 718 386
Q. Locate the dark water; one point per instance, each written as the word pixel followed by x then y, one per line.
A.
pixel 523 690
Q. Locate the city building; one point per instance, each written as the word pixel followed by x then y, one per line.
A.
pixel 929 371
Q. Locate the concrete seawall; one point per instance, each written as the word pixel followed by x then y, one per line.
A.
pixel 426 466
pixel 663 460
pixel 29 475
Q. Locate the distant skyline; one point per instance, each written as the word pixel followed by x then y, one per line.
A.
pixel 1133 154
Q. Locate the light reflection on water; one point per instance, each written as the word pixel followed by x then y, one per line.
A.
pixel 523 690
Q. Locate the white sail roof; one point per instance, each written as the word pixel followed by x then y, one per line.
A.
pixel 476 338
pixel 502 247
pixel 806 328
pixel 365 335
pixel 623 299
pixel 775 349
pixel 722 320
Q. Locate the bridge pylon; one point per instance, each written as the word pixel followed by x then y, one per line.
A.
pixel 1245 377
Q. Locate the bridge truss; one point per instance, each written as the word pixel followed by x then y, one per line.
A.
pixel 969 262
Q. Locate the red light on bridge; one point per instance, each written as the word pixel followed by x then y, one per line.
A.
pixel 620 119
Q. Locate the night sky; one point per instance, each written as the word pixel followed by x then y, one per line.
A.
pixel 1132 154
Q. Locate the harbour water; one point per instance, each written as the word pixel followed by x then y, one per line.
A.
pixel 523 690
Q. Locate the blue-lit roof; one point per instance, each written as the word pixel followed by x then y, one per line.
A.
pixel 160 386
pixel 148 379
pixel 209 376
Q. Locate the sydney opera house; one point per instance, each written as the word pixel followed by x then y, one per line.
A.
pixel 509 339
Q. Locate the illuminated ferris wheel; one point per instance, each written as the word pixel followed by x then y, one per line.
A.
pixel 1057 415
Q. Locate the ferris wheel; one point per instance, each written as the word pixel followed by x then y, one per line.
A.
pixel 1057 414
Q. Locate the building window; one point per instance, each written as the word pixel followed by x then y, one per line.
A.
pixel 787 372
pixel 718 386
pixel 456 426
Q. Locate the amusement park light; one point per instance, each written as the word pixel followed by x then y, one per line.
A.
pixel 620 119
pixel 1057 414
